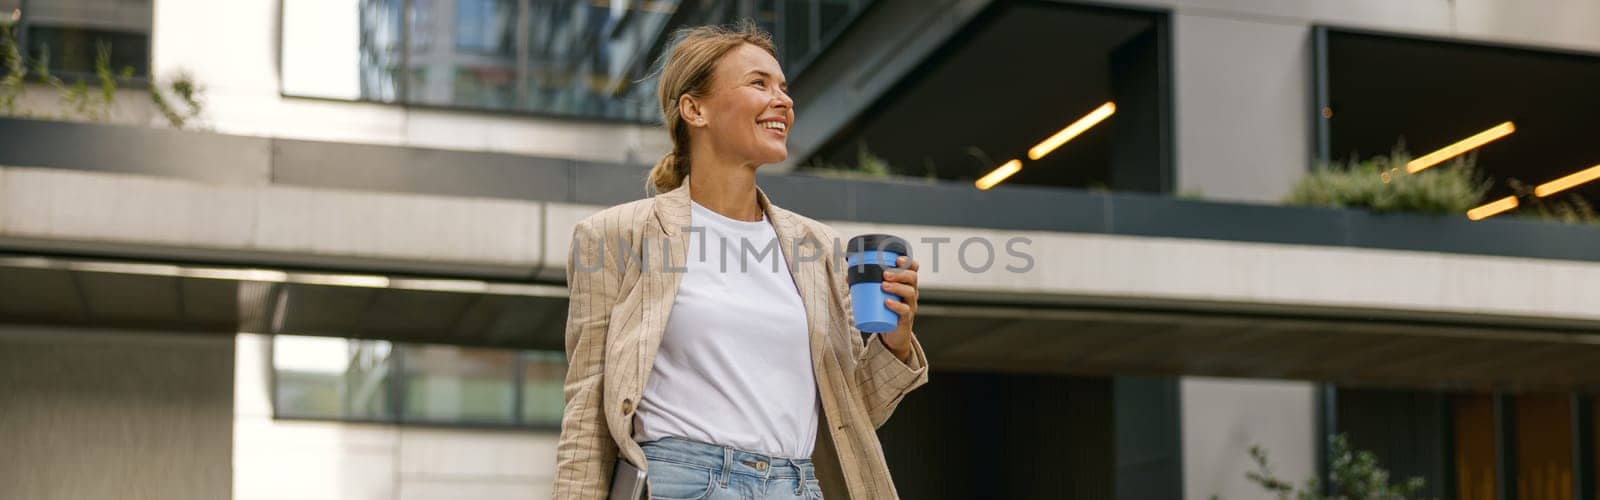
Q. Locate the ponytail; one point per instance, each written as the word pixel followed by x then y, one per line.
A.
pixel 669 172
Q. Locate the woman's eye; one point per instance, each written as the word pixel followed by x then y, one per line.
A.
pixel 759 83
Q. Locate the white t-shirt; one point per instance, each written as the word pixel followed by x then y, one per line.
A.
pixel 734 366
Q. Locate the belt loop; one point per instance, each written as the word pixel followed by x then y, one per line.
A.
pixel 727 466
pixel 800 487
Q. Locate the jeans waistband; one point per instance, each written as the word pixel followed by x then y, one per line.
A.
pixel 725 460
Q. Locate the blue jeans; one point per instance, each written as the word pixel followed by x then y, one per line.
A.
pixel 681 469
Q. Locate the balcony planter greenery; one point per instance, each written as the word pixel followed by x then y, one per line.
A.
pixel 177 98
pixel 868 166
pixel 1381 185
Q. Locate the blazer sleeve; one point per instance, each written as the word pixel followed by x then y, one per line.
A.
pixel 585 453
pixel 885 380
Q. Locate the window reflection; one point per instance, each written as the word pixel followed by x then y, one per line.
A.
pixel 588 58
pixel 543 374
pixel 346 379
pixel 69 34
pixel 456 384
pixel 381 57
pixel 332 377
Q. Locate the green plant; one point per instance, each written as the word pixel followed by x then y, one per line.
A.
pixel 1353 475
pixel 1571 209
pixel 867 166
pixel 12 85
pixel 181 86
pixel 97 103
pixel 77 97
pixel 1382 185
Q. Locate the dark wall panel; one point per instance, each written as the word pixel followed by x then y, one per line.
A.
pixel 1409 431
pixel 966 436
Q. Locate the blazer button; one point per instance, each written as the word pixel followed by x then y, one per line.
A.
pixel 627 407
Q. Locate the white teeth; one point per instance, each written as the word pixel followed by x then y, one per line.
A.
pixel 773 125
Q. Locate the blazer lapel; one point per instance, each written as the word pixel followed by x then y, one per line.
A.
pixel 666 250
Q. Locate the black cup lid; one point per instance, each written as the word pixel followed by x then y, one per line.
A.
pixel 882 242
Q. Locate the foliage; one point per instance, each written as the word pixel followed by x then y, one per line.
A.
pixel 1572 209
pixel 867 166
pixel 1382 185
pixel 79 98
pixel 11 86
pixel 93 105
pixel 182 87
pixel 1354 475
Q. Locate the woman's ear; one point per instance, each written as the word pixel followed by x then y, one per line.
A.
pixel 689 108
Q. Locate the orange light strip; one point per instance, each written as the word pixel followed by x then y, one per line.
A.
pixel 1567 182
pixel 998 174
pixel 1465 145
pixel 1492 208
pixel 1073 130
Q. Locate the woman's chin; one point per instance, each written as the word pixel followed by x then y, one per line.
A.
pixel 775 157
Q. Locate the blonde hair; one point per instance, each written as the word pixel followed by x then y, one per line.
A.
pixel 688 70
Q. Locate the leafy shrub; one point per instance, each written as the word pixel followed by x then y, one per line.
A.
pixel 1353 474
pixel 1570 209
pixel 78 98
pixel 1381 184
pixel 868 166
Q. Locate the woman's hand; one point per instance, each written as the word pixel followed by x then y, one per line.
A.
pixel 901 281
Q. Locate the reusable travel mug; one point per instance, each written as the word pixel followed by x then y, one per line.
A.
pixel 867 257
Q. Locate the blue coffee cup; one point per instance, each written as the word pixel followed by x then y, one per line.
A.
pixel 868 256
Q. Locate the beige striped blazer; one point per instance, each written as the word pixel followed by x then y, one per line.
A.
pixel 618 313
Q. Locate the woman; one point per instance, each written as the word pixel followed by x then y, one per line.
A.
pixel 724 375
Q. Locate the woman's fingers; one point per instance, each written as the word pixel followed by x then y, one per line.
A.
pixel 906 292
pixel 903 273
pixel 901 308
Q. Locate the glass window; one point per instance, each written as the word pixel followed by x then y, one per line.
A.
pixel 458 384
pixel 70 35
pixel 484 26
pixel 579 58
pixel 381 54
pixel 1546 96
pixel 833 14
pixel 543 375
pixel 345 379
pixel 797 25
pixel 766 16
pixel 331 377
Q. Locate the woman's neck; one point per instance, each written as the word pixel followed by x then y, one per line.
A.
pixel 725 188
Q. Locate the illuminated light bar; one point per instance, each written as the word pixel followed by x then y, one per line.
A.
pixel 1567 182
pixel 1454 150
pixel 998 175
pixel 1073 130
pixel 1492 208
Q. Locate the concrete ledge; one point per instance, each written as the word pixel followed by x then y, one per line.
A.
pixel 152 217
pixel 395 170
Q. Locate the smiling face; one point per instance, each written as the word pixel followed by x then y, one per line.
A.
pixel 748 114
